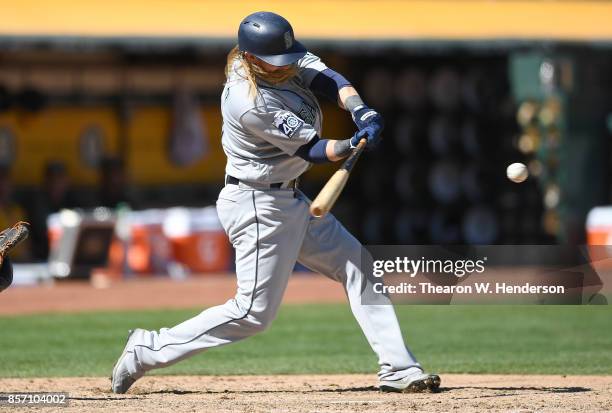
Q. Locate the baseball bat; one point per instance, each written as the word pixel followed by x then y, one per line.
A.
pixel 333 188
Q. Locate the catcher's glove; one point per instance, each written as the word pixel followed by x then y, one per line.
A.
pixel 12 236
pixel 8 239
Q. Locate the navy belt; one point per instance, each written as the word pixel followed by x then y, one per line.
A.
pixel 277 185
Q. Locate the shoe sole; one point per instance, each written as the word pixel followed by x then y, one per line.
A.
pixel 431 384
pixel 123 354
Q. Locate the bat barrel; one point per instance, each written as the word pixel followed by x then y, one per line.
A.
pixel 326 199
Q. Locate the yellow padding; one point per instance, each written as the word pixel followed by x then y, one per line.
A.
pixel 346 19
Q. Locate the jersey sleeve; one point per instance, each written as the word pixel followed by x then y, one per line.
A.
pixel 281 128
pixel 310 66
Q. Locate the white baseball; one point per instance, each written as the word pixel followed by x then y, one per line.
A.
pixel 517 172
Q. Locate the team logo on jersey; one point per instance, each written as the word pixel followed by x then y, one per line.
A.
pixel 287 123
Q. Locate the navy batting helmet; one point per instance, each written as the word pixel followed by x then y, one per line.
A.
pixel 269 37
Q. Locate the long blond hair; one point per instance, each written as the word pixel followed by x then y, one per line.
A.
pixel 252 71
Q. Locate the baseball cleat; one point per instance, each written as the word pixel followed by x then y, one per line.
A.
pixel 415 383
pixel 122 380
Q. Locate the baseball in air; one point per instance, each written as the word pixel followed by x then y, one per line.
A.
pixel 517 172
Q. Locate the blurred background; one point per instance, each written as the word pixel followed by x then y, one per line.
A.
pixel 110 125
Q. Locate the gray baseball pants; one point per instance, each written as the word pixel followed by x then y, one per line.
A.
pixel 270 230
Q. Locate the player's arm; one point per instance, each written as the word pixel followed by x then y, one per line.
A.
pixel 331 150
pixel 286 131
pixel 327 82
pixel 336 87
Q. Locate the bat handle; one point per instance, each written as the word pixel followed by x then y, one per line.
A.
pixel 352 159
pixel 361 145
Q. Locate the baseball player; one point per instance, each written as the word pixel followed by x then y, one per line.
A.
pixel 271 134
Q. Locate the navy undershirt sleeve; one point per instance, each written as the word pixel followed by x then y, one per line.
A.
pixel 314 151
pixel 327 83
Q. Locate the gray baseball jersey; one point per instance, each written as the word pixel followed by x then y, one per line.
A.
pixel 261 134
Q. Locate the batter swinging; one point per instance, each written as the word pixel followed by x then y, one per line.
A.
pixel 271 135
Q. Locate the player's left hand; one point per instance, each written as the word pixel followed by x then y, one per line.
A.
pixel 366 116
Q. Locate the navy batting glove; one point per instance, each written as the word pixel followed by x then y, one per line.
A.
pixel 365 116
pixel 359 135
pixel 370 134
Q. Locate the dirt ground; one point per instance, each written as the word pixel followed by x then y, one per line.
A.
pixel 295 393
pixel 341 393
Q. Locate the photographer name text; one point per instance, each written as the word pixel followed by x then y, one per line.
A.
pixel 476 288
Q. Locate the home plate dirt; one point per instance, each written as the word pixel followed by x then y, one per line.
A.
pixel 324 393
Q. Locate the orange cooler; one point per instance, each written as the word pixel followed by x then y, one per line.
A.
pixel 54 229
pixel 599 226
pixel 149 251
pixel 599 235
pixel 198 240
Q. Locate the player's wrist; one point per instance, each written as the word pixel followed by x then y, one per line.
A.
pixel 342 148
pixel 358 108
pixel 353 103
pixel 363 114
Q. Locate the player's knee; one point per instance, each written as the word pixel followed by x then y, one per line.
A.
pixel 241 304
pixel 349 267
pixel 260 321
pixel 258 315
pixel 257 325
pixel 252 320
